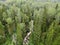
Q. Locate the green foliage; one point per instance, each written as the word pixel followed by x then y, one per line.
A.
pixel 19 33
pixel 9 20
pixel 15 17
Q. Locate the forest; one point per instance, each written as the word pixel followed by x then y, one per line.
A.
pixel 29 22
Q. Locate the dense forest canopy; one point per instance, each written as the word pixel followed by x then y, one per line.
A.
pixel 29 22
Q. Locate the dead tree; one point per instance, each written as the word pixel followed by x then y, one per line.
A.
pixel 26 39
